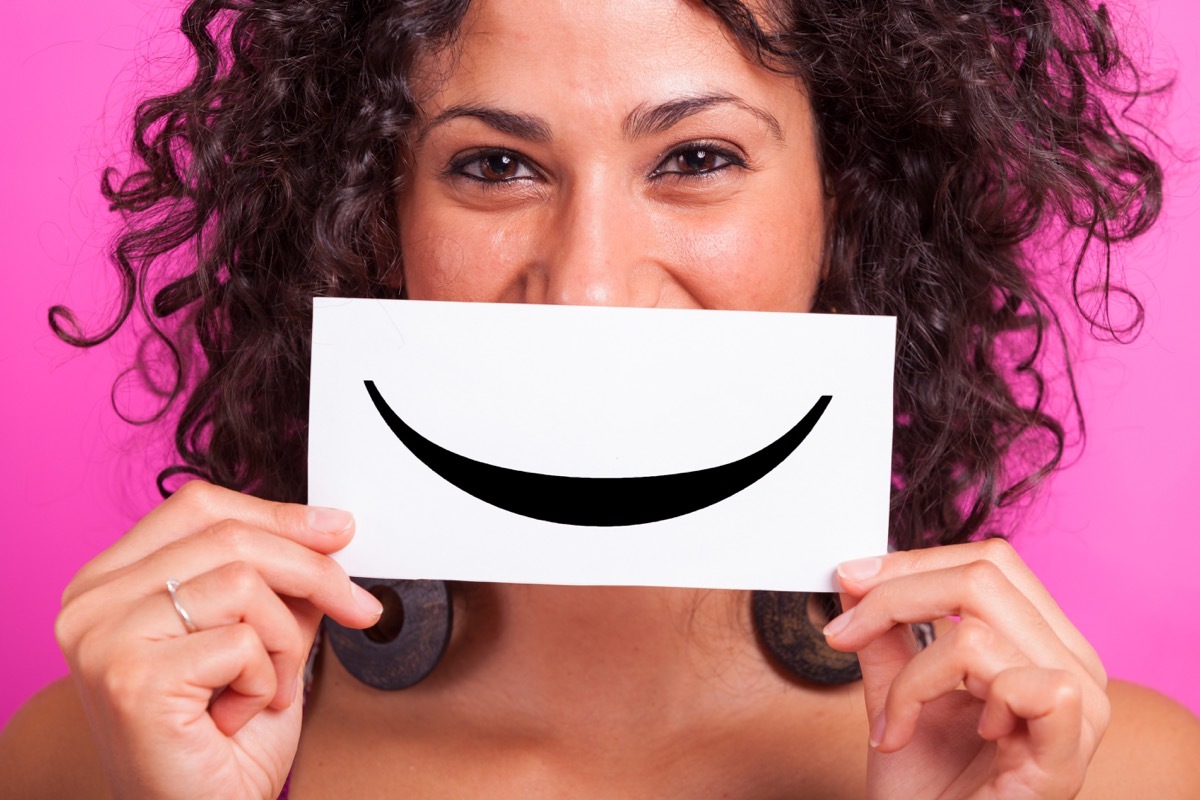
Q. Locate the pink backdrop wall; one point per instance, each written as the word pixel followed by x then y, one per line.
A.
pixel 1115 537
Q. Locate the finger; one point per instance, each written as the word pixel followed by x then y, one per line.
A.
pixel 977 589
pixel 233 657
pixel 859 577
pixel 196 506
pixel 881 661
pixel 969 656
pixel 178 678
pixel 1048 702
pixel 288 568
pixel 230 594
pixel 1036 717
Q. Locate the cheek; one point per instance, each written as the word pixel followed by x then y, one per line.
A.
pixel 433 262
pixel 752 260
pixel 462 257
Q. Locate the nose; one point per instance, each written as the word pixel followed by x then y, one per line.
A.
pixel 596 252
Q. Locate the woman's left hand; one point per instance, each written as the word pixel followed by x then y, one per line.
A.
pixel 1009 702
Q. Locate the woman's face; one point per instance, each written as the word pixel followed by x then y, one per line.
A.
pixel 614 152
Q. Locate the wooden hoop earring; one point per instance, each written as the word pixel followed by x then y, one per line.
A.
pixel 408 640
pixel 789 627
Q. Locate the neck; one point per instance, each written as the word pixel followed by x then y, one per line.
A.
pixel 616 658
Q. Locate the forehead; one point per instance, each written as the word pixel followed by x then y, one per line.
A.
pixel 598 58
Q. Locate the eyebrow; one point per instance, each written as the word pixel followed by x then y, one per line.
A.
pixel 524 126
pixel 641 122
pixel 644 121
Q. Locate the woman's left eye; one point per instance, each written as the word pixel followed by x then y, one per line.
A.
pixel 697 159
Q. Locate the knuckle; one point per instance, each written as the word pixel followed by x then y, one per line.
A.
pixel 902 684
pixel 982 574
pixel 244 639
pixel 902 697
pixel 73 588
pixel 66 628
pixel 125 681
pixel 232 536
pixel 328 573
pixel 258 684
pixel 1068 692
pixel 997 550
pixel 327 570
pixel 193 494
pixel 973 638
pixel 241 579
pixel 73 621
pixel 289 517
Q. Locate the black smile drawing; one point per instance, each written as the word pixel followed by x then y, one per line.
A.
pixel 598 502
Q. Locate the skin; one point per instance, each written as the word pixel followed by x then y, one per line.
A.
pixel 551 691
pixel 596 200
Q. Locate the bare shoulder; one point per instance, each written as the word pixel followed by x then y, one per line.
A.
pixel 1151 749
pixel 46 749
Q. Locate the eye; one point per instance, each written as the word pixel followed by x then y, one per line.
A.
pixel 698 158
pixel 493 166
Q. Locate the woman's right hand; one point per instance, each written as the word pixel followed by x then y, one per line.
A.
pixel 214 713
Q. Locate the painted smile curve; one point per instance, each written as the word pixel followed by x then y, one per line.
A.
pixel 597 502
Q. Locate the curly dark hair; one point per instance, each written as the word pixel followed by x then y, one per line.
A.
pixel 952 134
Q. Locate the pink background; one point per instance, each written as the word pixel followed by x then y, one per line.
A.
pixel 1115 537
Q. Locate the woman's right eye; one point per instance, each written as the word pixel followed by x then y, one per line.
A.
pixel 493 166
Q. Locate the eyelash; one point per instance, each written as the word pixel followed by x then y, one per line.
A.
pixel 458 167
pixel 727 155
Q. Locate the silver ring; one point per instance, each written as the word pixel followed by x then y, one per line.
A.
pixel 172 585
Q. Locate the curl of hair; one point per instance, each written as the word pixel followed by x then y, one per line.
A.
pixel 952 133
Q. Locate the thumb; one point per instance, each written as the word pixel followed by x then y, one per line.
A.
pixel 882 660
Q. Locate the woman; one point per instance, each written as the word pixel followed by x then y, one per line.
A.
pixel 886 159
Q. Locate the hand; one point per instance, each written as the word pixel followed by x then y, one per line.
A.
pixel 1009 702
pixel 213 713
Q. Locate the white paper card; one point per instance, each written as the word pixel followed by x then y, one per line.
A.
pixel 620 446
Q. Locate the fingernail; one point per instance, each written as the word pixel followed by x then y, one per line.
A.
pixel 839 623
pixel 878 729
pixel 329 520
pixel 861 569
pixel 366 601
